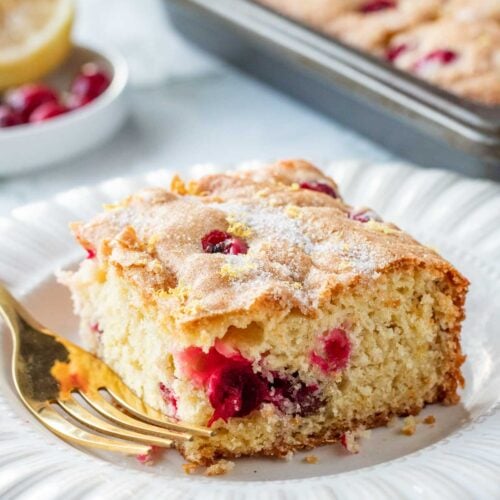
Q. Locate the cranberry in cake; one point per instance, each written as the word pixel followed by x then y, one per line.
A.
pixel 260 304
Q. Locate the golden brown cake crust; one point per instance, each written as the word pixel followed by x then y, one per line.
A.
pixel 302 246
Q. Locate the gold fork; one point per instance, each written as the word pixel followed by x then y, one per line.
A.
pixel 48 371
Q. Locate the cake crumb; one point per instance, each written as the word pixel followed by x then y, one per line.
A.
pixel 310 459
pixel 409 426
pixel 429 420
pixel 145 459
pixel 219 468
pixel 350 440
pixel 150 457
pixel 189 468
pixel 288 457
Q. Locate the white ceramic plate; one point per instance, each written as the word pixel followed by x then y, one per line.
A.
pixel 33 146
pixel 458 457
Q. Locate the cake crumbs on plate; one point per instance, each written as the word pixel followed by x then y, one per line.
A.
pixel 219 468
pixel 409 426
pixel 350 440
pixel 150 457
pixel 190 468
pixel 310 459
pixel 430 420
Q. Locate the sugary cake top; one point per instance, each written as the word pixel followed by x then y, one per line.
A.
pixel 363 23
pixel 473 10
pixel 448 52
pixel 369 24
pixel 276 237
pixel 454 44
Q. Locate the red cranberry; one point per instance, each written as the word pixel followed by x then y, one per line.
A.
pixel 334 353
pixel 8 118
pixel 91 253
pixel 76 101
pixel 238 246
pixel 234 390
pixel 228 351
pixel 393 53
pixel 442 57
pixel 47 111
pixel 343 440
pixel 197 365
pixel 168 396
pixel 377 5
pixel 150 457
pixel 91 82
pixel 222 242
pixel 364 215
pixel 24 100
pixel 95 328
pixel 320 187
pixel 292 396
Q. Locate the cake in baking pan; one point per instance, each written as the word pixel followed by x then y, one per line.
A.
pixel 453 44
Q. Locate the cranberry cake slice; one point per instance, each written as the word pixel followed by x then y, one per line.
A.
pixel 260 304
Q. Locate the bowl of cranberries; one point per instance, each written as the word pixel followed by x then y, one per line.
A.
pixel 76 108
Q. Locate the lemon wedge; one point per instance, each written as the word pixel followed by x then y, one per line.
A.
pixel 35 37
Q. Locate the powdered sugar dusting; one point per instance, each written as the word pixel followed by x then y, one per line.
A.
pixel 272 223
pixel 361 257
pixel 267 222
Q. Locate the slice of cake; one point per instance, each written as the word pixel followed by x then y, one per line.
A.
pixel 260 304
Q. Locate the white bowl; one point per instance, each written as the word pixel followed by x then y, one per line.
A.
pixel 33 146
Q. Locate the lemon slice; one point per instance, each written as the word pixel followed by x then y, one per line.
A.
pixel 35 37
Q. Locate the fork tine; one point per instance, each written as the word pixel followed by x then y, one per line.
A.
pixel 69 432
pixel 78 412
pixel 131 403
pixel 106 409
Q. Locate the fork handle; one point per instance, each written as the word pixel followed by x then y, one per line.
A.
pixel 15 314
pixel 9 312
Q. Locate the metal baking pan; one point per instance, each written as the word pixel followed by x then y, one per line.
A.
pixel 412 118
